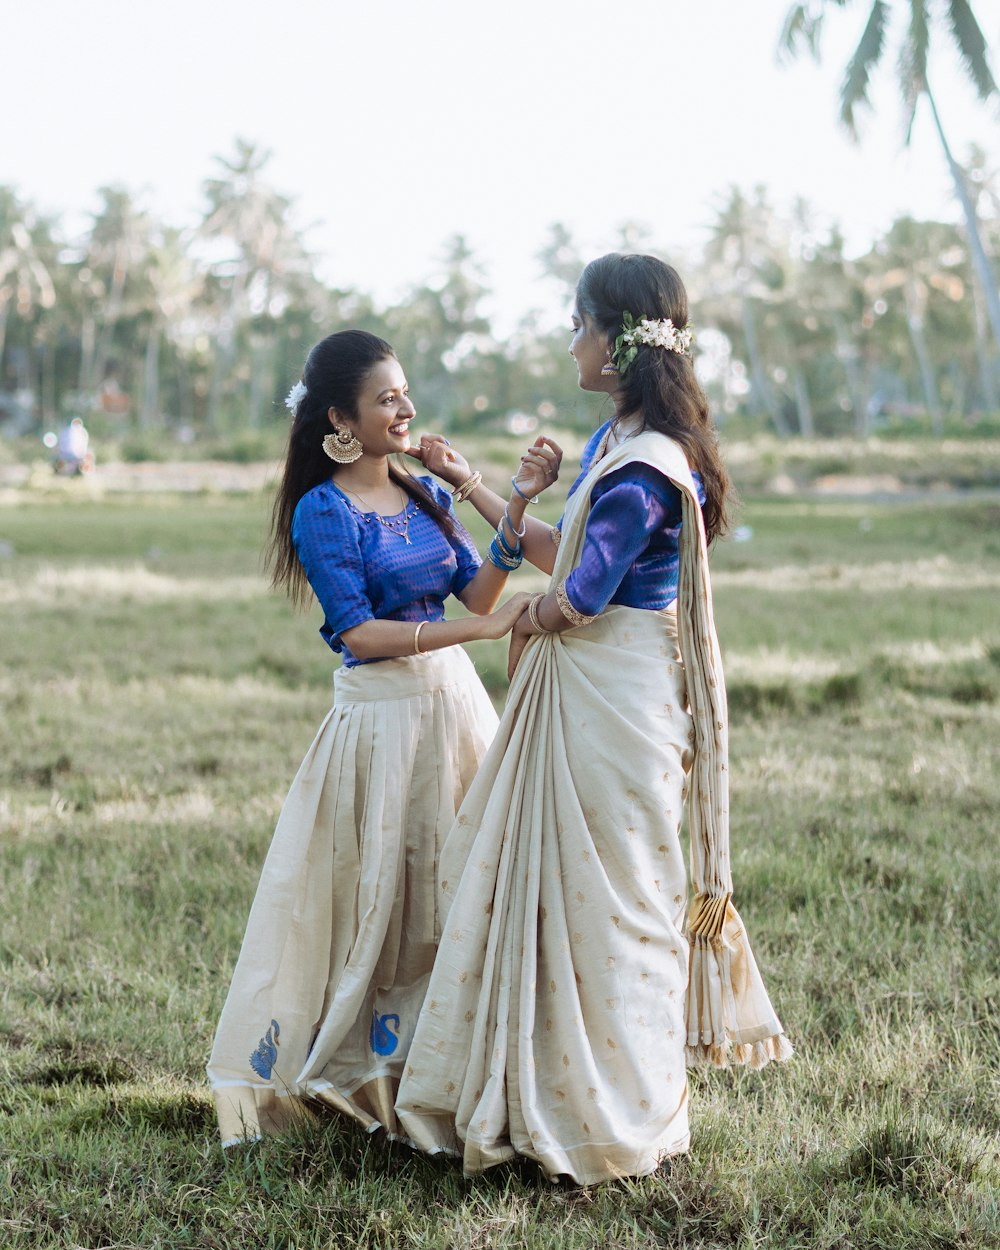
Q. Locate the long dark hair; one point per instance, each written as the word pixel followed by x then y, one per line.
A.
pixel 334 372
pixel 659 385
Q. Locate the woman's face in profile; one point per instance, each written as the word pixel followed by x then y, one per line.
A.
pixel 589 348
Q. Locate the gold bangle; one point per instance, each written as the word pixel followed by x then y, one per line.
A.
pixel 574 617
pixel 461 493
pixel 416 638
pixel 533 615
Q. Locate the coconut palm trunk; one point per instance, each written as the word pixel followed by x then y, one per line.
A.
pixel 151 373
pixel 758 375
pixel 987 367
pixel 980 261
pixel 803 405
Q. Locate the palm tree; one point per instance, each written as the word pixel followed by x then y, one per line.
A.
pixel 174 284
pixel 803 28
pixel 261 262
pixel 116 258
pixel 25 279
pixel 983 181
pixel 918 266
pixel 744 271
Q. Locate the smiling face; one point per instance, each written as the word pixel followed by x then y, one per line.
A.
pixel 383 411
pixel 590 349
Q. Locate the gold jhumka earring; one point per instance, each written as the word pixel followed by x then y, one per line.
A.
pixel 342 447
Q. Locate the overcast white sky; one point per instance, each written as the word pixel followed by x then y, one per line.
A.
pixel 396 123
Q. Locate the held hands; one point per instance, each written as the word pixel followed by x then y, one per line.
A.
pixel 539 467
pixel 500 622
pixel 519 636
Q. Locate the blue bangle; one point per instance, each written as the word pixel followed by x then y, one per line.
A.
pixel 518 534
pixel 529 502
pixel 514 552
pixel 501 561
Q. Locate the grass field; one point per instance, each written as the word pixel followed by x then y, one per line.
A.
pixel 156 703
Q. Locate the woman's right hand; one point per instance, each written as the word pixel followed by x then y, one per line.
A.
pixel 438 456
pixel 503 619
pixel 539 466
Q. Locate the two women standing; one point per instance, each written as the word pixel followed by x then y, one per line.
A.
pixel 573 981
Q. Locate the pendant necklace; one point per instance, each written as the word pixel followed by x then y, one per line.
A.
pixel 389 523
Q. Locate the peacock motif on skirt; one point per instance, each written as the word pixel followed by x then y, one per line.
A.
pixel 383 1040
pixel 265 1056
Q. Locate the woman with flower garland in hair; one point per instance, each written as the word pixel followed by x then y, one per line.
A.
pixel 343 929
pixel 575 978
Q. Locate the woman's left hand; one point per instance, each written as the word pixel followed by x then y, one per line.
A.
pixel 539 466
pixel 438 456
pixel 519 636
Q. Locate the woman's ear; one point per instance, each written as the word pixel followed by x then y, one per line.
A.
pixel 334 416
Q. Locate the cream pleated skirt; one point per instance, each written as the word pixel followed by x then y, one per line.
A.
pixel 345 923
pixel 554 1023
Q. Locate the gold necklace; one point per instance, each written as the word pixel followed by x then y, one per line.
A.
pixel 387 522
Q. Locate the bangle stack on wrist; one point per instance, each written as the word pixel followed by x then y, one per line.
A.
pixel 533 615
pixel 461 493
pixel 501 554
pixel 517 534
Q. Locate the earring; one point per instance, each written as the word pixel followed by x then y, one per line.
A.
pixel 608 370
pixel 342 447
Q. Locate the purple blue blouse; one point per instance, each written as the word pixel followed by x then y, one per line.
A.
pixel 362 569
pixel 630 545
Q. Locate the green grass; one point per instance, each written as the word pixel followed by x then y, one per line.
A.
pixel 156 702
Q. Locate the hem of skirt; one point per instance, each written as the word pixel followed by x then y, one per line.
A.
pixel 643 1165
pixel 753 1055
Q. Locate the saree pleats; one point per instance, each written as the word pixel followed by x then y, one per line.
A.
pixel 567 998
pixel 554 1021
pixel 344 926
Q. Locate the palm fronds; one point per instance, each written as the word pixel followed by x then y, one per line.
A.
pixel 857 77
pixel 913 61
pixel 971 46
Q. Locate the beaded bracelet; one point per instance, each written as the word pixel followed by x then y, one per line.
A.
pixel 529 502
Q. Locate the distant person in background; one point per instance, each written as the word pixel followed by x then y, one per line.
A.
pixel 574 980
pixel 73 455
pixel 344 926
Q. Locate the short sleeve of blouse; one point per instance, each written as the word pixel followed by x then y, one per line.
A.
pixel 466 555
pixel 327 542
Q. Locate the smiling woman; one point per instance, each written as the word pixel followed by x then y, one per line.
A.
pixel 345 922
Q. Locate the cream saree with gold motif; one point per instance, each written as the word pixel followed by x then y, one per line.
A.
pixel 573 982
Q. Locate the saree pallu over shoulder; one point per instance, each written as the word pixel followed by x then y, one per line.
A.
pixel 729 1014
pixel 566 998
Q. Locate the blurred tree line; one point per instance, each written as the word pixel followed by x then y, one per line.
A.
pixel 200 332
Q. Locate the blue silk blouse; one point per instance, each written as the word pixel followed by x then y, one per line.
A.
pixel 362 570
pixel 630 546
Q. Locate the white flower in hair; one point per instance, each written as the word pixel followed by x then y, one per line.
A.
pixel 648 333
pixel 295 397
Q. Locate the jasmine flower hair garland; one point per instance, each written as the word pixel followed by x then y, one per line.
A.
pixel 647 333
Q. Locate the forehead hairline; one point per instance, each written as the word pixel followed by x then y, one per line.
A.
pixel 385 390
